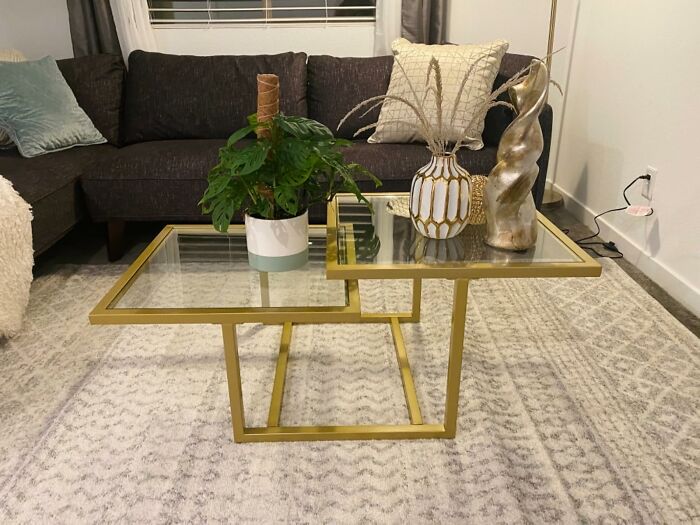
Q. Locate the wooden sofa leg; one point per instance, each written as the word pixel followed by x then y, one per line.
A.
pixel 115 239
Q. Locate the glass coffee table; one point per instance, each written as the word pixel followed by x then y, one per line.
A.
pixel 171 283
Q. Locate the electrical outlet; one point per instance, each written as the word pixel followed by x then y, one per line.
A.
pixel 648 185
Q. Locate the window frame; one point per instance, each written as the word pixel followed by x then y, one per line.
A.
pixel 267 7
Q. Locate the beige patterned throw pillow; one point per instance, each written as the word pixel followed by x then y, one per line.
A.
pixel 455 61
pixel 9 55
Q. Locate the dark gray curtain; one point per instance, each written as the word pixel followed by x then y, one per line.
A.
pixel 424 21
pixel 92 30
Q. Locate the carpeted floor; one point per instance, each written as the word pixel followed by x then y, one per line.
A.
pixel 580 402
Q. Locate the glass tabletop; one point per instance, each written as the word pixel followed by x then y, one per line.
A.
pixel 194 267
pixel 383 238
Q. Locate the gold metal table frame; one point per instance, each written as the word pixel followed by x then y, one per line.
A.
pixel 229 318
pixel 275 431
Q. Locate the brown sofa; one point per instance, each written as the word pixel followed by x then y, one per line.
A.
pixel 167 117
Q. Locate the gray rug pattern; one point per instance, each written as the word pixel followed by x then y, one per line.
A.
pixel 579 403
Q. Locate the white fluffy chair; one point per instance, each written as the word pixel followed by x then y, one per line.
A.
pixel 16 258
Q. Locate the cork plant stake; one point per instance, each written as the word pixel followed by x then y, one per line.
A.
pixel 268 101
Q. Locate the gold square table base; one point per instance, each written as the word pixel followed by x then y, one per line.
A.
pixel 417 429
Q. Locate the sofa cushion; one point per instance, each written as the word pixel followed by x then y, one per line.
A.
pixel 50 184
pixel 336 85
pixel 97 82
pixel 411 79
pixel 158 180
pixel 38 109
pixel 208 97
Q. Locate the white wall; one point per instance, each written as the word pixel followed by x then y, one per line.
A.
pixel 632 102
pixel 628 74
pixel 524 24
pixel 337 40
pixel 36 27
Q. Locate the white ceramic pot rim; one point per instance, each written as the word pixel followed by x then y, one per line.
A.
pixel 306 212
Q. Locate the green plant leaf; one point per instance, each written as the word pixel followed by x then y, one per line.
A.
pixel 294 178
pixel 217 185
pixel 254 157
pixel 302 128
pixel 238 135
pixel 287 199
pixel 359 169
pixel 293 153
pixel 224 210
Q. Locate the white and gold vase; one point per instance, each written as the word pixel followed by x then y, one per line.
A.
pixel 440 198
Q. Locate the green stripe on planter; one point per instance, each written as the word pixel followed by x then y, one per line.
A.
pixel 278 264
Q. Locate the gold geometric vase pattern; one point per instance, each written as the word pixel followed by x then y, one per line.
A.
pixel 440 198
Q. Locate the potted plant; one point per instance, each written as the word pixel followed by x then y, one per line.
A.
pixel 294 163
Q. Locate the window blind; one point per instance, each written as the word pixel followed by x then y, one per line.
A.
pixel 165 12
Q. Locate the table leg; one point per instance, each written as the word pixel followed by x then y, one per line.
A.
pixel 454 367
pixel 264 290
pixel 409 387
pixel 233 375
pixel 415 303
pixel 273 419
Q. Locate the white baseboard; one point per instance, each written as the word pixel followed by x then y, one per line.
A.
pixel 670 281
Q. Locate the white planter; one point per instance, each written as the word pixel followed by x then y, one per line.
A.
pixel 277 245
pixel 440 198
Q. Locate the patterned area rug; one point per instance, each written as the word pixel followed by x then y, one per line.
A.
pixel 580 402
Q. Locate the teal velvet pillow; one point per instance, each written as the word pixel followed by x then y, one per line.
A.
pixel 39 111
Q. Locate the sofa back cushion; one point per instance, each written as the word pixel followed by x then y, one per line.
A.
pixel 97 82
pixel 336 85
pixel 204 97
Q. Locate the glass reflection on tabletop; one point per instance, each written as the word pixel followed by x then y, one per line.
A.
pixel 384 236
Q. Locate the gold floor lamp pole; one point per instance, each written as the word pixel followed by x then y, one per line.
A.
pixel 550 41
pixel 551 198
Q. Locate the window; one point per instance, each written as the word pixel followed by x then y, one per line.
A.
pixel 164 12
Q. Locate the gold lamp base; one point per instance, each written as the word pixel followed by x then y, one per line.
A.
pixel 552 199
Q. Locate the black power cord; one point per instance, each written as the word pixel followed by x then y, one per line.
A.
pixel 610 245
